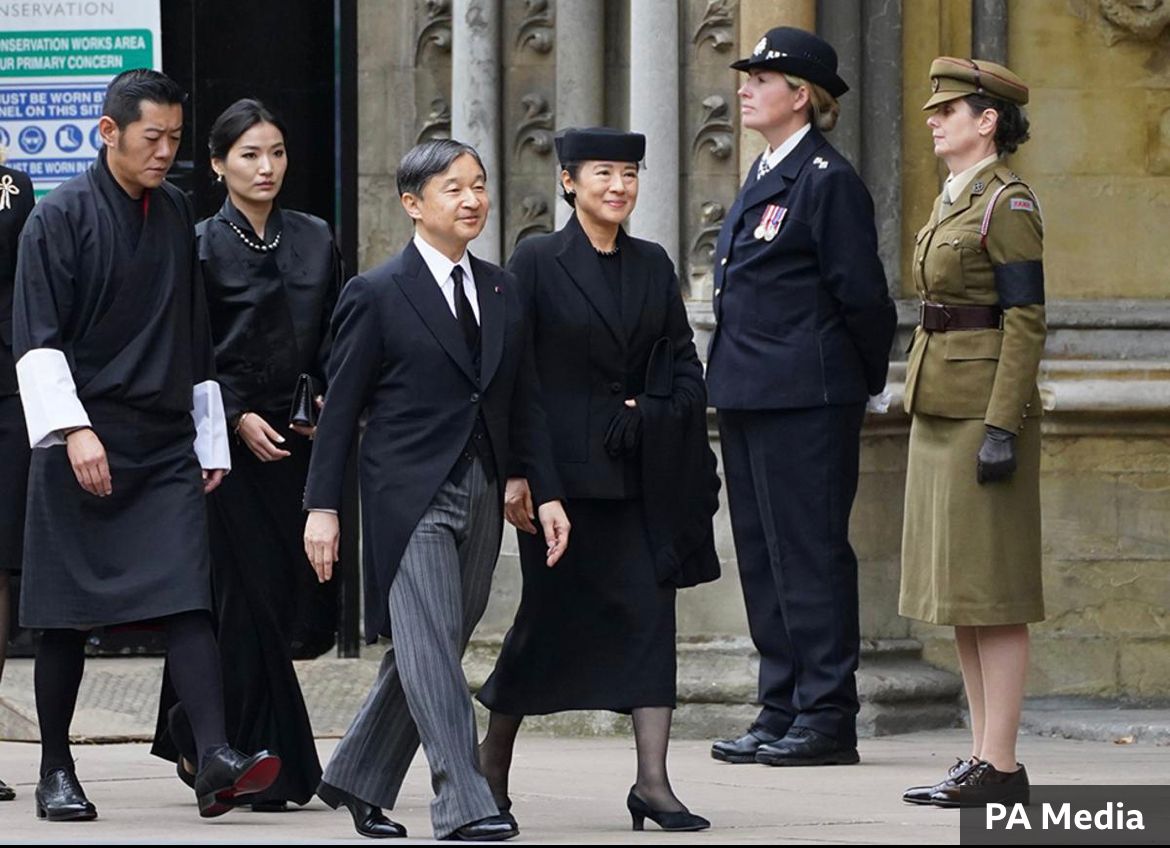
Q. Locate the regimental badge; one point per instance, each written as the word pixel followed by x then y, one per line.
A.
pixel 770 222
pixel 761 46
pixel 978 187
pixel 935 85
pixel 8 190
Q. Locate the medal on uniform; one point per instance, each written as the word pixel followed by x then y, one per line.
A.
pixel 770 222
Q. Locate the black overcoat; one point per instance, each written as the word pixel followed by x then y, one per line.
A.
pixel 802 319
pixel 400 360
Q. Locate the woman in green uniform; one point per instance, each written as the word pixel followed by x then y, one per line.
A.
pixel 971 540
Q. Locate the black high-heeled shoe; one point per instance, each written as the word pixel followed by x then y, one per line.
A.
pixel 59 797
pixel 680 820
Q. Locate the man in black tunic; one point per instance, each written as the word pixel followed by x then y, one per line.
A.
pixel 114 365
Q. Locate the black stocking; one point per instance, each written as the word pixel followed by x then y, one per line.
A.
pixel 495 753
pixel 5 618
pixel 56 679
pixel 652 736
pixel 193 665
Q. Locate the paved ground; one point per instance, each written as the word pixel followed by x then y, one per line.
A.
pixel 573 790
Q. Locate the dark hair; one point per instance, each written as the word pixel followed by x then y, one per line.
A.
pixel 236 120
pixel 428 159
pixel 123 102
pixel 1011 130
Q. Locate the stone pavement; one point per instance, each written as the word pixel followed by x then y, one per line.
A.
pixel 573 790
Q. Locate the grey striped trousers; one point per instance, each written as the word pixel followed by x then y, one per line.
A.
pixel 436 599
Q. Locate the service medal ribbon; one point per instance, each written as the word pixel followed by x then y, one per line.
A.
pixel 773 218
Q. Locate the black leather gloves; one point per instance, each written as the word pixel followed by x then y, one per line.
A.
pixel 624 435
pixel 997 456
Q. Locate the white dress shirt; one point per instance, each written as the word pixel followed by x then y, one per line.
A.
pixel 441 267
pixel 772 158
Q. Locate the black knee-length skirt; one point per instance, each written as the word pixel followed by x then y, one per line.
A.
pixel 597 631
pixel 14 458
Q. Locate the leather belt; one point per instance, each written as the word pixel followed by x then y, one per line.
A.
pixel 942 317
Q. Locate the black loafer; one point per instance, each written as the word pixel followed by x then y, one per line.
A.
pixel 490 829
pixel 743 749
pixel 59 797
pixel 925 794
pixel 7 793
pixel 227 775
pixel 368 820
pixel 803 746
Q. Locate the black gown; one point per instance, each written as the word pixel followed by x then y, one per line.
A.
pixel 270 313
pixel 106 290
pixel 597 631
pixel 16 202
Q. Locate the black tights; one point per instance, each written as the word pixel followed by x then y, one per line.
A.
pixel 193 663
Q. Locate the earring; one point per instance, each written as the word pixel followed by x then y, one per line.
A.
pixel 219 178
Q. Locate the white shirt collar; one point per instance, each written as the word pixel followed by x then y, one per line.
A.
pixel 956 183
pixel 438 264
pixel 775 157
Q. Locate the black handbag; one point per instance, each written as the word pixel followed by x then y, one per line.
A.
pixel 304 403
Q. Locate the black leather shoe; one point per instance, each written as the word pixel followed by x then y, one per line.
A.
pixel 680 820
pixel 59 797
pixel 984 785
pixel 184 775
pixel 506 813
pixel 276 806
pixel 743 749
pixel 924 794
pixel 7 793
pixel 227 774
pixel 803 746
pixel 368 820
pixel 490 829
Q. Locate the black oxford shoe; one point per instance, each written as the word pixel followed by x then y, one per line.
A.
pixel 984 785
pixel 490 829
pixel 803 746
pixel 59 797
pixel 227 775
pixel 7 793
pixel 924 794
pixel 368 820
pixel 743 749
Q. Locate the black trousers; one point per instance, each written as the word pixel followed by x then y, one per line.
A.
pixel 791 480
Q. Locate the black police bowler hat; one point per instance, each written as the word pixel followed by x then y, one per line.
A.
pixel 794 51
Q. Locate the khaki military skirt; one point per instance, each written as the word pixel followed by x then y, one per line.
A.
pixel 970 553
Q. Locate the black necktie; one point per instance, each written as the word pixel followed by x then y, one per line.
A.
pixel 464 315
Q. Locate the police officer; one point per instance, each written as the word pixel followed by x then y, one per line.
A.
pixel 971 541
pixel 803 334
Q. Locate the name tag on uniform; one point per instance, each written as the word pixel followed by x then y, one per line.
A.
pixel 1022 204
pixel 770 222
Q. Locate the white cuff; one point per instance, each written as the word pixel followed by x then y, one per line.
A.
pixel 211 432
pixel 879 404
pixel 49 397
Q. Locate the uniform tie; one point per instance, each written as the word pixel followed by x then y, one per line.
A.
pixel 464 314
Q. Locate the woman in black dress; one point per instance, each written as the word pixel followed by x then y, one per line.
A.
pixel 16 201
pixel 598 631
pixel 272 277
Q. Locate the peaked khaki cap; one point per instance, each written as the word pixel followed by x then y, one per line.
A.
pixel 952 78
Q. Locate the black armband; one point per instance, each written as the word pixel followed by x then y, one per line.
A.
pixel 1020 283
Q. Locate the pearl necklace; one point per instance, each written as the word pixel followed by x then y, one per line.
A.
pixel 607 252
pixel 261 247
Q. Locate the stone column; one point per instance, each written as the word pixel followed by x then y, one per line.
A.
pixel 989 30
pixel 475 102
pixel 881 128
pixel 839 22
pixel 654 110
pixel 580 71
pixel 756 17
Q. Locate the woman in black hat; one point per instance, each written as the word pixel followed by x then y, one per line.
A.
pixel 804 325
pixel 598 631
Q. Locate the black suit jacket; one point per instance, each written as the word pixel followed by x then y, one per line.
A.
pixel 592 348
pixel 804 319
pixel 12 217
pixel 400 359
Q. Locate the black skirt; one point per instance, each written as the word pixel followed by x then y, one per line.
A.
pixel 14 459
pixel 138 554
pixel 596 631
pixel 264 589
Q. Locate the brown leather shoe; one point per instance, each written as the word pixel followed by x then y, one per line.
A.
pixel 985 785
pixel 923 794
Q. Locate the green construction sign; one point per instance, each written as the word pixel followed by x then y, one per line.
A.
pixel 64 53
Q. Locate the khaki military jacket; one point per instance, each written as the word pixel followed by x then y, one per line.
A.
pixel 967 256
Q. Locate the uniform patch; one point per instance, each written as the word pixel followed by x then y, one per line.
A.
pixel 821 163
pixel 1022 204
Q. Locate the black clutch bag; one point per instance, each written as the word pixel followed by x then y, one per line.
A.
pixel 304 403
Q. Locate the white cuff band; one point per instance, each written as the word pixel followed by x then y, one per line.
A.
pixel 49 396
pixel 211 431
